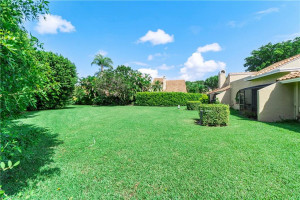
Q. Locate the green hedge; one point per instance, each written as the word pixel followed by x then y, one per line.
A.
pixel 165 98
pixel 214 114
pixel 193 105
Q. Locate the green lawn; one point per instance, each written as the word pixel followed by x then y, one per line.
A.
pixel 124 152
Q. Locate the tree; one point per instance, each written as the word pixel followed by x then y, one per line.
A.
pixel 272 53
pixel 119 86
pixel 85 92
pixel 102 61
pixel 196 86
pixel 157 86
pixel 21 73
pixel 212 82
pixel 63 75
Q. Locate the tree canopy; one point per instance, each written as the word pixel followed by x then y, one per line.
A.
pixel 212 82
pixel 272 53
pixel 63 75
pixel 113 87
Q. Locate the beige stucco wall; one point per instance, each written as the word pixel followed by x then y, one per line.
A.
pixel 296 99
pixel 275 102
pixel 224 97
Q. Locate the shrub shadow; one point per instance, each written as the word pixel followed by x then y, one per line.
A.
pixel 34 160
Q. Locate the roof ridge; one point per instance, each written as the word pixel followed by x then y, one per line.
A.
pixel 278 64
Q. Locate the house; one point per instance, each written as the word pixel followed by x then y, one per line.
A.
pixel 271 94
pixel 171 85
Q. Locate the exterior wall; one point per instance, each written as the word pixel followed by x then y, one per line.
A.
pixel 237 85
pixel 224 97
pixel 275 102
pixel 268 79
pixel 297 100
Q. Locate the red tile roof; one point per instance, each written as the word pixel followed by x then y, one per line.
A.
pixel 219 89
pixel 290 76
pixel 277 65
pixel 176 86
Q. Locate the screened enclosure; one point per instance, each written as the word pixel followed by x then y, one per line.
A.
pixel 247 99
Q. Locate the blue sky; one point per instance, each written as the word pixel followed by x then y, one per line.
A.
pixel 186 40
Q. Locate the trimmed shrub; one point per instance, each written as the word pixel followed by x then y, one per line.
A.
pixel 165 98
pixel 214 114
pixel 193 105
pixel 204 98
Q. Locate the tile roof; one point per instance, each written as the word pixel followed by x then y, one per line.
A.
pixel 157 79
pixel 277 65
pixel 175 86
pixel 219 89
pixel 290 76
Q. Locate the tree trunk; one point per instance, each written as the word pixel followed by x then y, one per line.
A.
pixel 101 68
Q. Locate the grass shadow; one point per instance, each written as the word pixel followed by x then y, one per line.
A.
pixel 38 149
pixel 291 125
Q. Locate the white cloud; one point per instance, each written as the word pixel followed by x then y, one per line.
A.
pixel 267 11
pixel 156 38
pixel 151 57
pixel 152 72
pixel 195 67
pixel 236 24
pixel 51 24
pixel 102 52
pixel 209 47
pixel 165 67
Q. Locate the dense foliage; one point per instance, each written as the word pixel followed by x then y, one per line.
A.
pixel 212 82
pixel 272 53
pixel 165 98
pixel 214 114
pixel 63 76
pixel 193 105
pixel 195 86
pixel 112 87
pixel 157 86
pixel 21 73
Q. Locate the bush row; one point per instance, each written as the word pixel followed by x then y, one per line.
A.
pixel 214 114
pixel 193 105
pixel 165 98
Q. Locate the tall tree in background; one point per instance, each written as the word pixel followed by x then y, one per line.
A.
pixel 212 82
pixel 196 86
pixel 102 61
pixel 272 53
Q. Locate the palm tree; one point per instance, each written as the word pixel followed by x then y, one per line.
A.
pixel 157 86
pixel 102 61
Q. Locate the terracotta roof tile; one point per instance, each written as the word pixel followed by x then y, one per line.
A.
pixel 278 64
pixel 290 76
pixel 157 79
pixel 220 89
pixel 176 86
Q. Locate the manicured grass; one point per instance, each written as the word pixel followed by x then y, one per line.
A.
pixel 85 152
